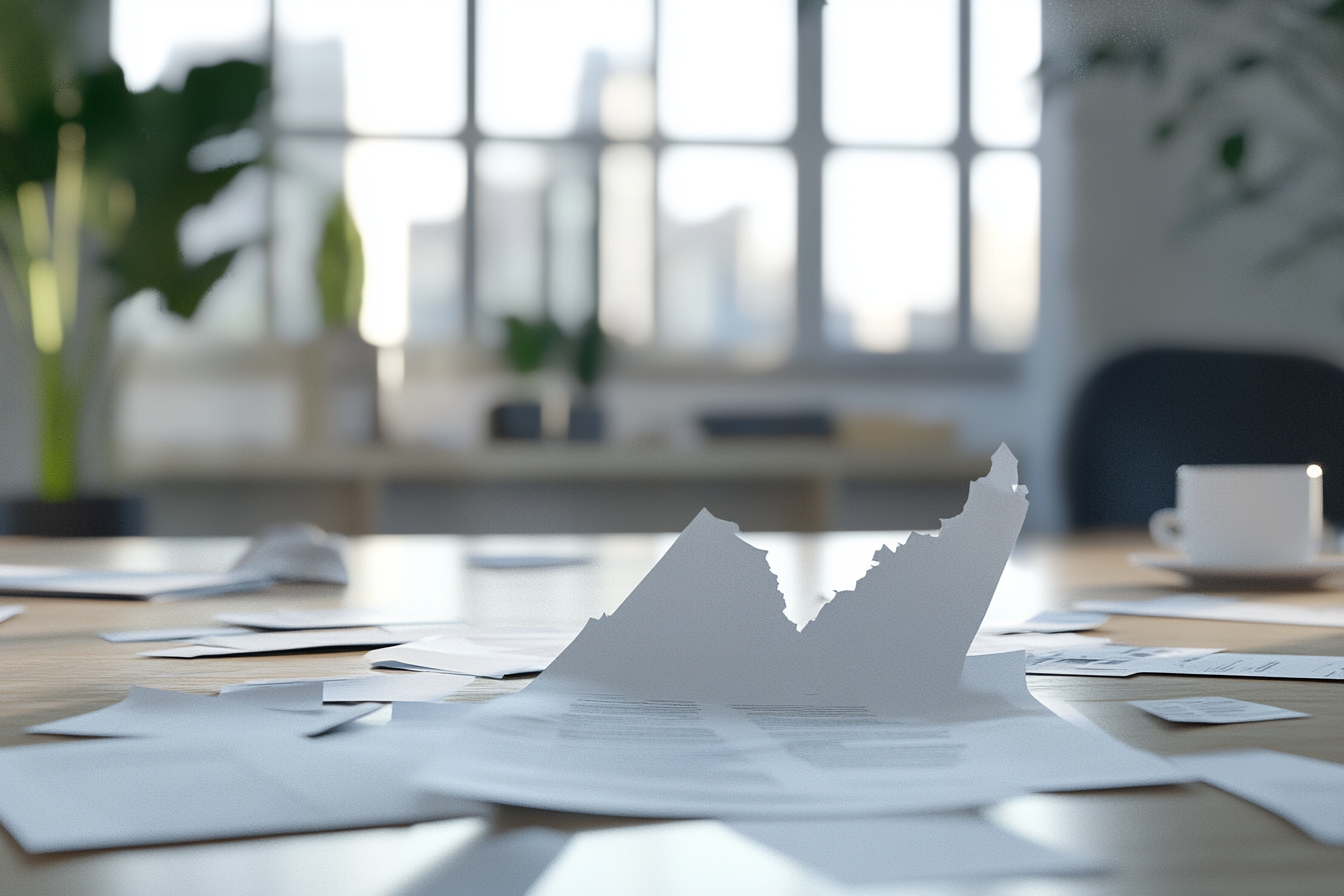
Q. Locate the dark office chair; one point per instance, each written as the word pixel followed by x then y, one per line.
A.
pixel 1141 416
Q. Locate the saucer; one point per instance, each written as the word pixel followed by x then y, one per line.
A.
pixel 1285 577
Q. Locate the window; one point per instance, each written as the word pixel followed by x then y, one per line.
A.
pixel 760 181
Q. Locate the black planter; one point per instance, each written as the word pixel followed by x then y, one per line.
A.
pixel 80 518
pixel 516 420
pixel 585 423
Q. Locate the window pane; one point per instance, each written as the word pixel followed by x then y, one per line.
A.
pixel 395 67
pixel 891 71
pixel 626 248
pixel 543 66
pixel 727 240
pixel 536 216
pixel 310 174
pixel 1005 249
pixel 395 189
pixel 1005 53
pixel 726 70
pixel 889 230
pixel 159 41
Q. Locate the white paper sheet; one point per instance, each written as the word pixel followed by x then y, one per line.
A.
pixel 171 634
pixel 9 611
pixel 53 581
pixel 1106 660
pixel 525 561
pixel 118 793
pixel 1305 792
pixel 698 697
pixel 1199 606
pixel 867 851
pixel 1214 710
pixel 280 642
pixel 1100 661
pixel 1047 621
pixel 336 617
pixel 294 710
pixel 490 652
pixel 406 687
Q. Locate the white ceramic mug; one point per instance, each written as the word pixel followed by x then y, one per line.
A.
pixel 1244 516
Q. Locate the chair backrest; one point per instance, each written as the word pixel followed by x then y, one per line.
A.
pixel 1142 415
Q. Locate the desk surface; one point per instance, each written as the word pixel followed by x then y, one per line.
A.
pixel 1177 840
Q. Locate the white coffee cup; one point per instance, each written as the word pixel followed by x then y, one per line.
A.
pixel 1244 515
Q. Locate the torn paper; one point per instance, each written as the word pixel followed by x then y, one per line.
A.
pixel 698 697
pixel 487 651
pixel 117 793
pixel 407 687
pixel 1305 792
pixel 294 710
pixel 1214 710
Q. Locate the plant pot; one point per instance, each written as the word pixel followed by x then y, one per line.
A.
pixel 81 517
pixel 585 423
pixel 516 420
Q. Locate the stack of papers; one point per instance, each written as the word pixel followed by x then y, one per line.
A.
pixel 1114 661
pixel 487 652
pixel 1214 710
pixel 407 687
pixel 1199 606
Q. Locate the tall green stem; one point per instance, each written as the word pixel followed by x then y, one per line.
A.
pixel 58 430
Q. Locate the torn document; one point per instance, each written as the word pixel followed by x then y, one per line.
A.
pixel 486 651
pixel 282 642
pixel 1214 710
pixel 1228 609
pixel 379 687
pixel 698 697
pixel 296 552
pixel 294 710
pixel 1304 792
pixel 116 793
pixel 54 581
pixel 1112 661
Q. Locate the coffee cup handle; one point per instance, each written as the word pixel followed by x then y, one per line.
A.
pixel 1165 527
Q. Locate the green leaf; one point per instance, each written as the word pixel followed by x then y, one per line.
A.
pixel 1232 151
pixel 590 352
pixel 529 344
pixel 340 267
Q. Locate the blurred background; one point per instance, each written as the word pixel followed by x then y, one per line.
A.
pixel 590 265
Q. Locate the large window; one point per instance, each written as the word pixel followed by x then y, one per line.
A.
pixel 761 182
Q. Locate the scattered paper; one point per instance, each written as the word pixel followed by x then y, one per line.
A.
pixel 1046 622
pixel 1305 792
pixel 9 611
pixel 1199 606
pixel 501 863
pixel 698 697
pixel 1214 710
pixel 171 634
pixel 490 652
pixel 408 687
pixel 117 793
pixel 281 642
pixel 1106 660
pixel 338 617
pixel 296 552
pixel 986 643
pixel 53 581
pixel 1114 661
pixel 867 851
pixel 294 710
pixel 524 561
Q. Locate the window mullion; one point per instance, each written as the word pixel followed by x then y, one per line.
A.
pixel 964 149
pixel 809 146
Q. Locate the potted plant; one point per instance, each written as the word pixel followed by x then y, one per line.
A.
pixel 94 182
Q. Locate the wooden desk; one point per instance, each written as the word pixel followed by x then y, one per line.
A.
pixel 1169 840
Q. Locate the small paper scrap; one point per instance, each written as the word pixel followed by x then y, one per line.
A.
pixel 1214 710
pixel 10 610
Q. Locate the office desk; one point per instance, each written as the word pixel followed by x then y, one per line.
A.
pixel 1177 840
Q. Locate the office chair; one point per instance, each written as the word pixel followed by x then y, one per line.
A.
pixel 1142 415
